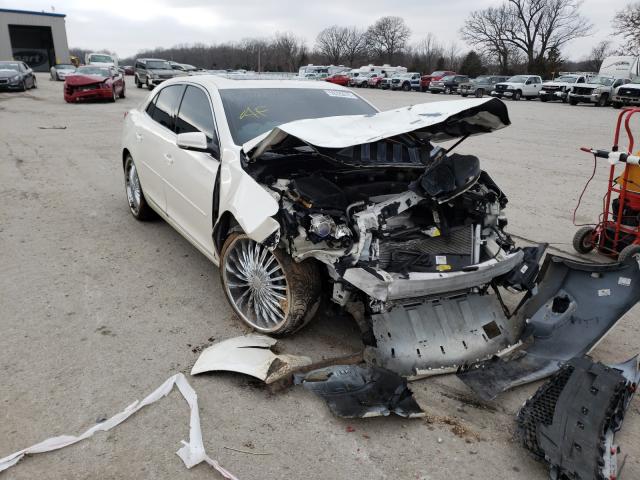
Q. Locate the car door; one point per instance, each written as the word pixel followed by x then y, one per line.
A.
pixel 191 178
pixel 155 139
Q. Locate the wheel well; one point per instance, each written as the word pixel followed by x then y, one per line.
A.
pixel 125 153
pixel 222 229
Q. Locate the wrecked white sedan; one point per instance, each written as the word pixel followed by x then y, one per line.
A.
pixel 300 191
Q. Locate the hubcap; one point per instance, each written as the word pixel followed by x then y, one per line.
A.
pixel 256 284
pixel 133 188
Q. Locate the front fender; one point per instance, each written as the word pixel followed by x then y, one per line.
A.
pixel 249 203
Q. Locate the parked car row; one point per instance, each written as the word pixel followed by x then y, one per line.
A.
pixel 15 75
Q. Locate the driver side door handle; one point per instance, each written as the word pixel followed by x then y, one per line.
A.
pixel 169 158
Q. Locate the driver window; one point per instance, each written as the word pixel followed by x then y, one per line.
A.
pixel 195 115
pixel 529 82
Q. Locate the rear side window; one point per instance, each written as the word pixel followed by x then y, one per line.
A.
pixel 166 105
pixel 195 115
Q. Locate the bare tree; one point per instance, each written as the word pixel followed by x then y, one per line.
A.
pixel 331 42
pixel 427 52
pixel 289 50
pixel 486 30
pixel 535 27
pixel 626 23
pixel 355 45
pixel 388 37
pixel 598 53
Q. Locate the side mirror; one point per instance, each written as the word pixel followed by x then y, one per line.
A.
pixel 196 141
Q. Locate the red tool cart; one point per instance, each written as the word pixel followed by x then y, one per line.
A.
pixel 617 233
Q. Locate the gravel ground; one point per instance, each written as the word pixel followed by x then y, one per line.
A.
pixel 98 310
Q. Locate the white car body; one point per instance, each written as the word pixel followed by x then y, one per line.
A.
pixel 559 89
pixel 207 195
pixel 100 60
pixel 627 95
pixel 60 72
pixel 529 87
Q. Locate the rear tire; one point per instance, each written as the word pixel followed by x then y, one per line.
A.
pixel 573 102
pixel 583 241
pixel 447 91
pixel 138 205
pixel 479 93
pixel 138 82
pixel 629 252
pixel 286 294
pixel 35 83
pixel 122 92
pixel 617 105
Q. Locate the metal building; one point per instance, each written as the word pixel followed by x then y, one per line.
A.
pixel 37 38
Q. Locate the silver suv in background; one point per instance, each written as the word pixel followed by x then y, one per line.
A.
pixel 598 91
pixel 153 71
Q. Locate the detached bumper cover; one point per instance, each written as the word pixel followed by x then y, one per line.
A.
pixel 577 304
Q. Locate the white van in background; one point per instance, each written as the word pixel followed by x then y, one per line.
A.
pixel 100 60
pixel 621 67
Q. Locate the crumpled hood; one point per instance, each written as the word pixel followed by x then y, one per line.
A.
pixel 79 79
pixel 437 121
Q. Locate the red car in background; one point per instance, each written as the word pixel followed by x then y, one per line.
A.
pixel 94 83
pixel 339 79
pixel 374 81
pixel 425 80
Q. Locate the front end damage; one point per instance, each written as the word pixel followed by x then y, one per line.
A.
pixel 412 238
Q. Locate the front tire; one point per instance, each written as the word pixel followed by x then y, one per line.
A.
pixel 34 84
pixel 573 102
pixel 122 92
pixel 138 205
pixel 517 96
pixel 447 91
pixel 602 101
pixel 617 105
pixel 268 290
pixel 479 93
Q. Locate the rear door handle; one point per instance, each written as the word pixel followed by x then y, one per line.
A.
pixel 169 158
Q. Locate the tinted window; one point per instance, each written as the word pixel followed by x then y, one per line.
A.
pixel 195 114
pixel 167 103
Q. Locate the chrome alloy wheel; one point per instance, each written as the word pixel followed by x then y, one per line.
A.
pixel 132 185
pixel 256 284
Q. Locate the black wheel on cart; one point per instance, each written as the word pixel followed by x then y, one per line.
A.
pixel 584 241
pixel 628 252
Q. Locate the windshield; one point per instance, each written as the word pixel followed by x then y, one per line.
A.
pixel 518 79
pixel 437 73
pixel 606 81
pixel 64 66
pixel 10 66
pixel 483 78
pixel 101 58
pixel 566 79
pixel 253 111
pixel 158 65
pixel 101 71
pixel 448 78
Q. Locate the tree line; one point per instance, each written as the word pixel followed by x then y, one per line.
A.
pixel 517 36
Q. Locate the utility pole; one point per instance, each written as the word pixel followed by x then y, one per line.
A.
pixel 259 66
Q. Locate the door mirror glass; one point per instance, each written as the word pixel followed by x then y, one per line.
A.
pixel 192 141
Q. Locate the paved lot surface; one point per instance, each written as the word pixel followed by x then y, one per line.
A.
pixel 97 310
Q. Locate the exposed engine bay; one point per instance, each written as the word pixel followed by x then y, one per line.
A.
pixel 401 222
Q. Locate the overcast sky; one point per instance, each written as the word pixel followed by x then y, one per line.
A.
pixel 127 26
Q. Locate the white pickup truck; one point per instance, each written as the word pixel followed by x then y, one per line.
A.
pixel 559 88
pixel 519 86
pixel 598 91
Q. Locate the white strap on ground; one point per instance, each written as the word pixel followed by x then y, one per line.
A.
pixel 192 453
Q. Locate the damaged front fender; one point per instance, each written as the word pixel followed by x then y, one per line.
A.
pixel 577 304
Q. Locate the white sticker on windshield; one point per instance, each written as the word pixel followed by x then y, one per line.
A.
pixel 340 93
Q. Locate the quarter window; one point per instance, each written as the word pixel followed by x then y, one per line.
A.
pixel 166 105
pixel 195 115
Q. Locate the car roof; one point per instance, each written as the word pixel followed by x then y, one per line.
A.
pixel 154 59
pixel 218 82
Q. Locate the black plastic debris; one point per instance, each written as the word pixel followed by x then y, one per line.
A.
pixel 352 391
pixel 571 420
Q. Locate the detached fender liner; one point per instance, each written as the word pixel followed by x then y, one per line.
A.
pixel 577 304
